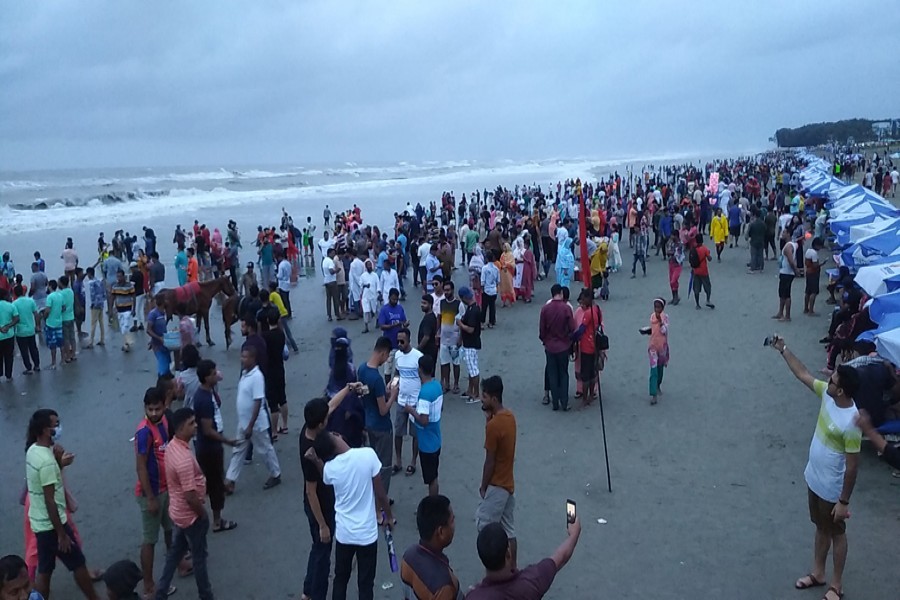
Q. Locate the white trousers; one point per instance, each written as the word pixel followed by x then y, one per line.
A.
pixel 262 445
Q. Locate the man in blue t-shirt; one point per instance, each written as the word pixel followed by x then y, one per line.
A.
pixel 156 329
pixel 391 319
pixel 427 416
pixel 377 406
pixel 734 222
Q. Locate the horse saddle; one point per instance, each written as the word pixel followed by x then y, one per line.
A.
pixel 187 292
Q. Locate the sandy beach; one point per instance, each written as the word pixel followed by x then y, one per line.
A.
pixel 708 494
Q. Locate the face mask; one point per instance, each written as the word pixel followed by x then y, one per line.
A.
pixel 57 433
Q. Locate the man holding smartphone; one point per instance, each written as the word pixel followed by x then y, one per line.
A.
pixel 502 580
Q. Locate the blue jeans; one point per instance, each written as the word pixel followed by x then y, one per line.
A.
pixel 163 360
pixel 193 537
pixel 318 567
pixel 557 378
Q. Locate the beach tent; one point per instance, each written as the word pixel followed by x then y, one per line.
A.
pixel 868 249
pixel 887 344
pixel 878 279
pixel 885 309
pixel 857 232
pixel 820 186
pixel 837 194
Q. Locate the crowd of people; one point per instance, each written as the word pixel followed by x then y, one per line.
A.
pixel 351 445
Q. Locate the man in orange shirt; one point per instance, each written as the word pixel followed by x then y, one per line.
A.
pixel 497 483
pixel 187 490
pixel 193 267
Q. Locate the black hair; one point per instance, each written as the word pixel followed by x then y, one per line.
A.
pixel 190 356
pixel 205 368
pixel 433 512
pixel 164 381
pixel 699 239
pixel 394 292
pixel 848 380
pixel 63 280
pixel 11 567
pixel 250 323
pixel 179 418
pixel 450 283
pixel 406 331
pixel 154 395
pixel 556 289
pixel 428 299
pixel 251 351
pixel 492 545
pixel 493 386
pixel 863 347
pixel 40 420
pixel 324 446
pixel 565 293
pixel 426 364
pixel 315 412
pixel 254 291
pixel 383 344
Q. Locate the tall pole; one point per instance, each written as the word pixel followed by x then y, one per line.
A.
pixel 582 237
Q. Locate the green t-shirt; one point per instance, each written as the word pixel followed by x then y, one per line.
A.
pixel 54 306
pixel 42 469
pixel 471 240
pixel 68 304
pixel 27 307
pixel 7 313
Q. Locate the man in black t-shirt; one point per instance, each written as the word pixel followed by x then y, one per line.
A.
pixel 470 337
pixel 428 329
pixel 318 499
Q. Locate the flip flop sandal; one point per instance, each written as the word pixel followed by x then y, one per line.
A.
pixel 396 469
pixel 410 470
pixel 834 590
pixel 225 525
pixel 802 585
pixel 282 430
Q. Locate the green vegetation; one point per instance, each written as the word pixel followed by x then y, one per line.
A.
pixel 815 134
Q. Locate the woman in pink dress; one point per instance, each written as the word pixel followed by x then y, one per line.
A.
pixel 658 347
pixel 529 270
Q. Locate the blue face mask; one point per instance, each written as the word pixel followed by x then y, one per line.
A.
pixel 57 433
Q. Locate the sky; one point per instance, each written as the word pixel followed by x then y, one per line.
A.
pixel 93 83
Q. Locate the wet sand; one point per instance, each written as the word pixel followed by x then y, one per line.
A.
pixel 708 494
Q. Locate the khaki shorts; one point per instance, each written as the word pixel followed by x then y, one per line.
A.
pixel 497 506
pixel 820 515
pixel 402 423
pixel 150 524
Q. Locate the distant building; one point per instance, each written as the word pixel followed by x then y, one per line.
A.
pixel 886 130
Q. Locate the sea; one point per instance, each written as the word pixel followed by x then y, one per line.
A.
pixel 40 209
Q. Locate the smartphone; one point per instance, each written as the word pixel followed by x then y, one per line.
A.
pixel 769 340
pixel 570 511
pixel 395 382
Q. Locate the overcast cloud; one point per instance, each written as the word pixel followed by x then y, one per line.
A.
pixel 100 83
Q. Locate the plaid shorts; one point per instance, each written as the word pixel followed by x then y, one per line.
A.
pixel 470 357
pixel 54 336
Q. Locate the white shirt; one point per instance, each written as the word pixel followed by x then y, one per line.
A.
pixel 836 436
pixel 424 251
pixel 324 245
pixel 387 281
pixel 408 370
pixel 284 275
pixel 351 475
pixel 327 268
pixel 251 387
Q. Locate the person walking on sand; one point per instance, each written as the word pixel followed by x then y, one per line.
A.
pixel 658 347
pixel 787 271
pixel 675 255
pixel 368 283
pixel 699 259
pixel 831 470
pixel 718 231
pixel 589 319
pixel 813 268
pixel 406 361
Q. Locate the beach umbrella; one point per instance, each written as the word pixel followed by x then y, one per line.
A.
pixel 885 309
pixel 888 345
pixel 857 232
pixel 878 279
pixel 868 249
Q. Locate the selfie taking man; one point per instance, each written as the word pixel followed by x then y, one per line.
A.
pixel 503 580
pixel 832 468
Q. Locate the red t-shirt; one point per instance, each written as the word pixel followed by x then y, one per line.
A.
pixel 703 253
pixel 591 319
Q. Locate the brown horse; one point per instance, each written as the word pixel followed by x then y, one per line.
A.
pixel 197 299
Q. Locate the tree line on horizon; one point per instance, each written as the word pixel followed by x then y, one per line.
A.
pixel 815 134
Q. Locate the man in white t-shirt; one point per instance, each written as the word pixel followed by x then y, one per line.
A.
pixel 406 361
pixel 329 280
pixel 832 467
pixel 423 252
pixel 354 473
pixel 895 175
pixel 283 274
pixel 253 423
pixel 324 244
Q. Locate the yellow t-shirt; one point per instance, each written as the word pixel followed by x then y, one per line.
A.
pixel 275 298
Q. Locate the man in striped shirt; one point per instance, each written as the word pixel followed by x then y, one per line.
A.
pixel 187 490
pixel 425 569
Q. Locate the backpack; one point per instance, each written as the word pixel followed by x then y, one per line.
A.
pixel 601 340
pixel 694 258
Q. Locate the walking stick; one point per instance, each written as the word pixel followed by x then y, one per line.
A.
pixel 603 429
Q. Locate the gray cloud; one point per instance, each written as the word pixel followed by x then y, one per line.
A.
pixel 95 83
